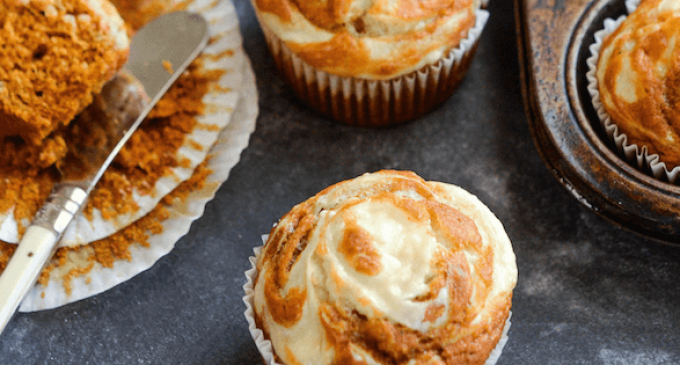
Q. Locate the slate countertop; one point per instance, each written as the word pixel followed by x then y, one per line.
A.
pixel 588 292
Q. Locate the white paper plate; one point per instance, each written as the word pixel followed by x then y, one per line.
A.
pixel 223 156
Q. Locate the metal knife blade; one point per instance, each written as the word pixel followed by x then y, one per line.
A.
pixel 159 53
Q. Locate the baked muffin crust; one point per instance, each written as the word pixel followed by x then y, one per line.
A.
pixel 385 269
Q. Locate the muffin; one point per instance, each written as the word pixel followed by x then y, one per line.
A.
pixel 636 78
pixel 372 63
pixel 54 55
pixel 386 268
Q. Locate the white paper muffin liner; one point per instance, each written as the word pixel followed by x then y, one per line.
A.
pixel 376 103
pixel 264 346
pixel 220 105
pixel 638 156
pixel 224 155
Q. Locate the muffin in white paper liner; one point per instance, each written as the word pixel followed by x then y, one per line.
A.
pixel 638 156
pixel 264 346
pixel 220 104
pixel 376 103
pixel 224 155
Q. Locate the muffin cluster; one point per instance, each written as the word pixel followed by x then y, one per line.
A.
pixel 385 268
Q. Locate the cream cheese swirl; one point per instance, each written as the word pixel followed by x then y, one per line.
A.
pixel 385 268
pixel 371 39
pixel 639 77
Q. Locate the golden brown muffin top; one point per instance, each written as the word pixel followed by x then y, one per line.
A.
pixel 54 54
pixel 639 77
pixel 386 269
pixel 373 39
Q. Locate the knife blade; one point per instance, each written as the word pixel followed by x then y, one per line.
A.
pixel 159 53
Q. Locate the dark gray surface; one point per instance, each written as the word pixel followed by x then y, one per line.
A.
pixel 588 292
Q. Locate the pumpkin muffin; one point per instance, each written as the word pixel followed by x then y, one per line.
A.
pixel 372 63
pixel 385 268
pixel 54 55
pixel 638 79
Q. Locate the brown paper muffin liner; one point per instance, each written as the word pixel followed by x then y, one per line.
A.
pixel 376 103
pixel 264 346
pixel 638 156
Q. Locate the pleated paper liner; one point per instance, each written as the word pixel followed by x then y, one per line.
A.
pixel 222 157
pixel 376 103
pixel 636 155
pixel 264 346
pixel 64 287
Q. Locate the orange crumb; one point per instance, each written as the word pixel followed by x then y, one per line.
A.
pixel 208 127
pixel 167 65
pixel 220 55
pixel 195 145
pixel 74 273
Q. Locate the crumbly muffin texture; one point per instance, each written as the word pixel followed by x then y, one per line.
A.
pixel 54 55
pixel 385 269
pixel 638 76
pixel 372 39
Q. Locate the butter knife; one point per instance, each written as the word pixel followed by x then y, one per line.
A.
pixel 159 53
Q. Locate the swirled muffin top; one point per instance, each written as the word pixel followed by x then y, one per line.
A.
pixel 386 269
pixel 372 39
pixel 54 55
pixel 639 77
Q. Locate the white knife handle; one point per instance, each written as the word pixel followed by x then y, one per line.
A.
pixel 23 269
pixel 36 247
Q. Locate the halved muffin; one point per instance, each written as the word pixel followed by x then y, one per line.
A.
pixel 54 55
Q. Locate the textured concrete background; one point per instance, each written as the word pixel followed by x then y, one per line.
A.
pixel 588 292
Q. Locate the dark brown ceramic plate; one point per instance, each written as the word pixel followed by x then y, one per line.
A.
pixel 553 37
